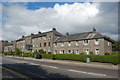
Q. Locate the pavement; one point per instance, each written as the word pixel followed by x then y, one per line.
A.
pixel 78 63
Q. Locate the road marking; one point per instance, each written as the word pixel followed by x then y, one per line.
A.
pixel 49 66
pixel 33 64
pixel 91 73
pixel 36 75
pixel 16 73
pixel 52 66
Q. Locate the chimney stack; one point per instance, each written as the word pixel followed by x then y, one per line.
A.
pixel 54 29
pixel 23 36
pixel 32 34
pixel 94 29
pixel 67 34
pixel 39 32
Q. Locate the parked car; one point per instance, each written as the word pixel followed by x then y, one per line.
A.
pixel 38 56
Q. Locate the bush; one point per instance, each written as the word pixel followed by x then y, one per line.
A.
pixel 10 53
pixel 17 51
pixel 107 53
pixel 91 53
pixel 24 55
pixel 48 56
pixel 106 58
pixel 115 52
pixel 94 58
pixel 5 53
pixel 49 53
pixel 71 57
pixel 83 53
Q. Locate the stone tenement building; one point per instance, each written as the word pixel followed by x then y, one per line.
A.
pixel 56 43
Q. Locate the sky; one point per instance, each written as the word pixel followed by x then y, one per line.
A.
pixel 24 18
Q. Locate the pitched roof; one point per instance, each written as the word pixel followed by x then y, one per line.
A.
pixel 80 36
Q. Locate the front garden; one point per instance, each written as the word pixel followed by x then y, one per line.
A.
pixel 112 57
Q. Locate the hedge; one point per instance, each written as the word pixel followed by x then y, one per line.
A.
pixel 114 59
pixel 48 56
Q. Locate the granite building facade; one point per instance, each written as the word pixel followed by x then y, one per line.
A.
pixel 56 43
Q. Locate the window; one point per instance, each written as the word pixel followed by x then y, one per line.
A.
pixel 62 43
pixel 49 37
pixel 96 41
pixel 69 51
pixel 49 44
pixel 86 51
pixel 63 51
pixel 45 44
pixel 40 45
pixel 77 51
pixel 73 51
pixel 33 45
pixel 55 51
pixel 85 42
pixel 76 43
pixel 108 43
pixel 97 51
pixel 69 44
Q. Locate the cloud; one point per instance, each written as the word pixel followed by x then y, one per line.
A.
pixel 73 18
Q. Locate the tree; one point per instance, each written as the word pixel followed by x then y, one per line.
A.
pixel 17 51
pixel 116 46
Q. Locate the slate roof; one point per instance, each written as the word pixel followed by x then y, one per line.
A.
pixel 80 36
pixel 41 35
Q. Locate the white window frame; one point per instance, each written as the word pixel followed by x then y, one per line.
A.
pixel 87 51
pixel 108 43
pixel 77 51
pixel 84 41
pixel 69 43
pixel 97 42
pixel 62 44
pixel 97 51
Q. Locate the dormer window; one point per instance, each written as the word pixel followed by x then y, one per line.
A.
pixel 85 42
pixel 96 41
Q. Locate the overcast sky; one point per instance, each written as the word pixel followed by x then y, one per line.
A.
pixel 25 18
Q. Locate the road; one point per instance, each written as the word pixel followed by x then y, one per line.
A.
pixel 18 68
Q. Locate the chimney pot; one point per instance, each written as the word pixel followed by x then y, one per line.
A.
pixel 67 34
pixel 32 34
pixel 39 32
pixel 54 29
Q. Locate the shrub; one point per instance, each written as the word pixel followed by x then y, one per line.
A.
pixel 49 56
pixel 107 53
pixel 17 51
pixel 5 53
pixel 91 53
pixel 24 55
pixel 83 53
pixel 94 58
pixel 71 57
pixel 10 53
pixel 42 51
pixel 49 53
pixel 115 52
